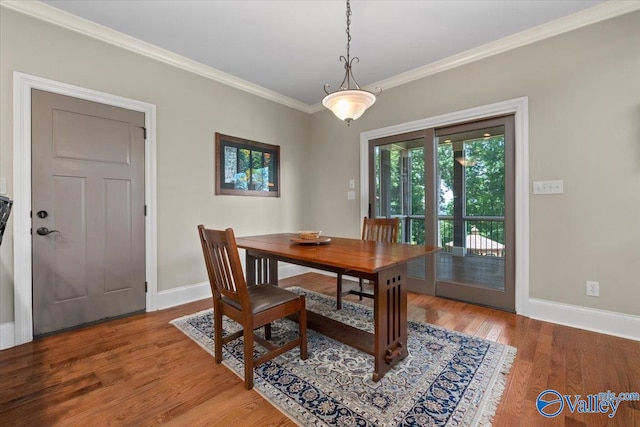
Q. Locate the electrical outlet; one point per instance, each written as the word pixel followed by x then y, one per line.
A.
pixel 593 289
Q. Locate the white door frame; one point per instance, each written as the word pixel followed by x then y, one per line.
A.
pixel 22 267
pixel 520 108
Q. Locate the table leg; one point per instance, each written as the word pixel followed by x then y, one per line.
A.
pixel 390 317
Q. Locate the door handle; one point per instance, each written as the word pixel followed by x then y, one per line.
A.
pixel 43 231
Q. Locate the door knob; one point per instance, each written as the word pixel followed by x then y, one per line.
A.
pixel 43 231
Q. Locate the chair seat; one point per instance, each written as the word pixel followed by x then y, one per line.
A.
pixel 264 297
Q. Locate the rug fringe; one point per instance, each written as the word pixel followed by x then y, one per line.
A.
pixel 497 389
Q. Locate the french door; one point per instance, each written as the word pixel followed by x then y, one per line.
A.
pixel 400 170
pixel 476 212
pixel 453 187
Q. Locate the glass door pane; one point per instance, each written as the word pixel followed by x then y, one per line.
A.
pixel 399 187
pixel 475 214
pixel 471 208
pixel 400 191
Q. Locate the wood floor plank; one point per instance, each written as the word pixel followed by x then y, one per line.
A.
pixel 515 393
pixel 238 403
pixel 142 371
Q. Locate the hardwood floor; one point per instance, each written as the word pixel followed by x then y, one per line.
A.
pixel 141 371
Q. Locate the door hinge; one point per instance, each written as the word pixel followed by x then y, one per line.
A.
pixel 145 210
pixel 146 287
pixel 144 130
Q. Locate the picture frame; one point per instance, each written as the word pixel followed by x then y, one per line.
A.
pixel 246 168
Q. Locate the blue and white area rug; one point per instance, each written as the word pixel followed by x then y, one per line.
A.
pixel 448 379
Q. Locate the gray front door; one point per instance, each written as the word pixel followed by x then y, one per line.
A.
pixel 88 186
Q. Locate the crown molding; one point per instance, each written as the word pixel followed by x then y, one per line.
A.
pixel 601 12
pixel 71 22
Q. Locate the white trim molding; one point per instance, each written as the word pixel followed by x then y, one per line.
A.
pixel 592 15
pixel 7 335
pixel 520 108
pixel 85 27
pixel 183 295
pixel 590 319
pixel 22 86
pixel 603 11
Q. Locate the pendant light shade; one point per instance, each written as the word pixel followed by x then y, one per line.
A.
pixel 348 103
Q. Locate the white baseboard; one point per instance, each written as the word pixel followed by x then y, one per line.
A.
pixel 197 291
pixel 592 319
pixel 183 295
pixel 7 335
pixel 290 270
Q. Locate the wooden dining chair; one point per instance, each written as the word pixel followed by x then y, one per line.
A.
pixel 379 230
pixel 250 306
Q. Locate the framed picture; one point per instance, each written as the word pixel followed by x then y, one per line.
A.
pixel 246 168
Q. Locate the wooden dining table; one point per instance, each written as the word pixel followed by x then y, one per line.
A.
pixel 384 264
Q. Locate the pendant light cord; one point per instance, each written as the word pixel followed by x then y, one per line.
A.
pixel 348 31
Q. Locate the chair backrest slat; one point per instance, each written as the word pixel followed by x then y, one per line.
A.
pixel 223 265
pixel 224 277
pixel 381 229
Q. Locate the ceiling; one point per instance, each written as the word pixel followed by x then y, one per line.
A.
pixel 292 47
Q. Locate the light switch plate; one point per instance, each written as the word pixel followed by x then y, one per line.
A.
pixel 351 195
pixel 548 187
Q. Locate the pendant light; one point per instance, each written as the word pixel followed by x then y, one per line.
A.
pixel 348 103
